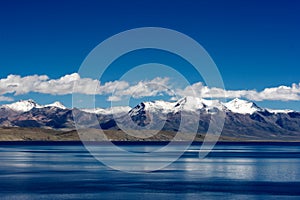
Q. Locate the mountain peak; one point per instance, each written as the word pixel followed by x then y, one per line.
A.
pixel 22 105
pixel 56 104
pixel 28 101
pixel 242 106
pixel 116 110
pixel 27 105
pixel 189 103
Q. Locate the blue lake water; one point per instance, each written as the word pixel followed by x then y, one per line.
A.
pixel 230 171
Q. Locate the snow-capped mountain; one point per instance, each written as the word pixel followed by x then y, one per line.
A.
pixel 56 104
pixel 153 106
pixel 191 104
pixel 109 111
pixel 27 105
pixel 242 107
pixel 186 104
pixel 242 118
pixel 22 105
pixel 194 104
pixel 246 107
pixel 279 111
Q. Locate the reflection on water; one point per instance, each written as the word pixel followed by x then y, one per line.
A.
pixel 230 171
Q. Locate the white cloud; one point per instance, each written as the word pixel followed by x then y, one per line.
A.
pixel 283 93
pixel 116 90
pixel 114 98
pixel 17 85
pixel 280 93
pixel 155 87
pixel 3 98
pixel 110 87
pixel 198 89
pixel 20 85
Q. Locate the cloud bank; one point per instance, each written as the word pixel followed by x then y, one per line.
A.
pixel 116 90
pixel 280 93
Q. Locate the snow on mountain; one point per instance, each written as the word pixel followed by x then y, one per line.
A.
pixel 152 106
pixel 279 111
pixel 186 103
pixel 108 111
pixel 22 105
pixel 27 105
pixel 242 107
pixel 55 104
pixel 194 104
pixel 189 104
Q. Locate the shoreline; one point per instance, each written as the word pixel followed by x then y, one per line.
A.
pixel 40 135
pixel 36 142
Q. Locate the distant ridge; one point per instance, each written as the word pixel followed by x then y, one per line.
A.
pixel 187 103
pixel 243 119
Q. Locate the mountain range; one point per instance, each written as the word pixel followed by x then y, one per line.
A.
pixel 243 119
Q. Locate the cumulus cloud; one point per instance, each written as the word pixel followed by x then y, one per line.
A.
pixel 3 98
pixel 112 86
pixel 155 87
pixel 200 90
pixel 17 85
pixel 283 93
pixel 280 93
pixel 114 98
pixel 73 83
pixel 116 90
pixel 20 85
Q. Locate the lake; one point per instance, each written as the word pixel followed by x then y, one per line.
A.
pixel 36 170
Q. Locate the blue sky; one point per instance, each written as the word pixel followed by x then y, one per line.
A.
pixel 255 44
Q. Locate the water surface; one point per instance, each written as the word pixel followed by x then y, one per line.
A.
pixel 230 171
